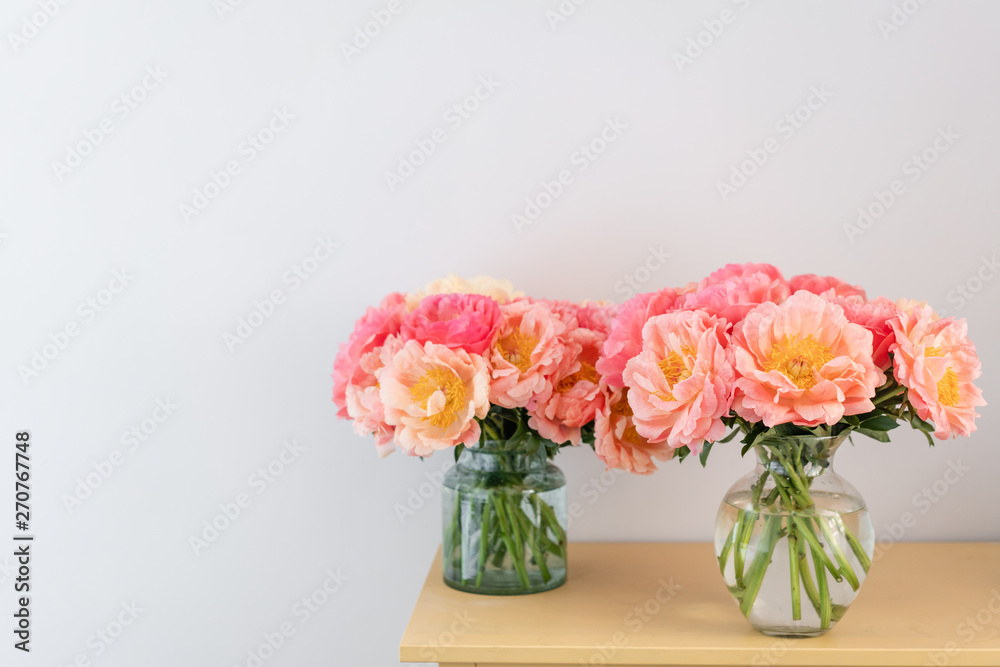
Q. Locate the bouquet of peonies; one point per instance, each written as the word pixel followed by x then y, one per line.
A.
pixel 474 364
pixel 793 366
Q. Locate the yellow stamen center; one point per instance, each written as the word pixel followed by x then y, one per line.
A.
pixel 586 372
pixel 798 359
pixel 674 370
pixel 517 348
pixel 948 388
pixel 446 381
pixel 933 352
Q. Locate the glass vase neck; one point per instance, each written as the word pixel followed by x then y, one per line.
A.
pixel 496 456
pixel 807 455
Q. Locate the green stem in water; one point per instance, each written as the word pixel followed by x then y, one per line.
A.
pixel 807 531
pixel 807 579
pixel 531 531
pixel 845 567
pixel 745 523
pixel 758 568
pixel 508 539
pixel 825 605
pixel 793 571
pixel 726 548
pixel 484 540
pixel 859 551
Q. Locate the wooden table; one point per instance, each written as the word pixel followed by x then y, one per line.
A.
pixel 665 604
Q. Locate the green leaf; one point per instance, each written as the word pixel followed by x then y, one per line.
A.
pixel 746 448
pixel 732 434
pixel 458 451
pixel 881 436
pixel 682 453
pixel 880 423
pixel 703 456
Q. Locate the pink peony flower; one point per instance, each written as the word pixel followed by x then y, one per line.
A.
pixel 827 286
pixel 616 441
pixel 741 271
pixel 370 331
pixel 681 384
pixel 935 360
pixel 527 352
pixel 500 291
pixel 734 297
pixel 432 395
pixel 803 362
pixel 466 321
pixel 576 395
pixel 364 405
pixel 876 316
pixel 625 337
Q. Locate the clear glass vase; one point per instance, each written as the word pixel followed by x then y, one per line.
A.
pixel 793 539
pixel 504 522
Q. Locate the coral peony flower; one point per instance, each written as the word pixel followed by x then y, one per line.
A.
pixel 625 337
pixel 432 395
pixel 370 331
pixel 616 441
pixel 741 271
pixel 803 362
pixel 502 291
pixel 576 396
pixel 937 362
pixel 734 297
pixel 681 383
pixel 827 286
pixel 466 321
pixel 876 316
pixel 527 352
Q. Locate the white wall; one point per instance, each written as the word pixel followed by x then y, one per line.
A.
pixel 162 336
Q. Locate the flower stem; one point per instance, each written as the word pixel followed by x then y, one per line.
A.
pixel 517 557
pixel 825 606
pixel 758 568
pixel 793 571
pixel 845 567
pixel 484 540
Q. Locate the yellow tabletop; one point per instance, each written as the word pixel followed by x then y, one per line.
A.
pixel 666 604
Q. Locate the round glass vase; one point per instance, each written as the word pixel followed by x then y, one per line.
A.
pixel 793 539
pixel 504 522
